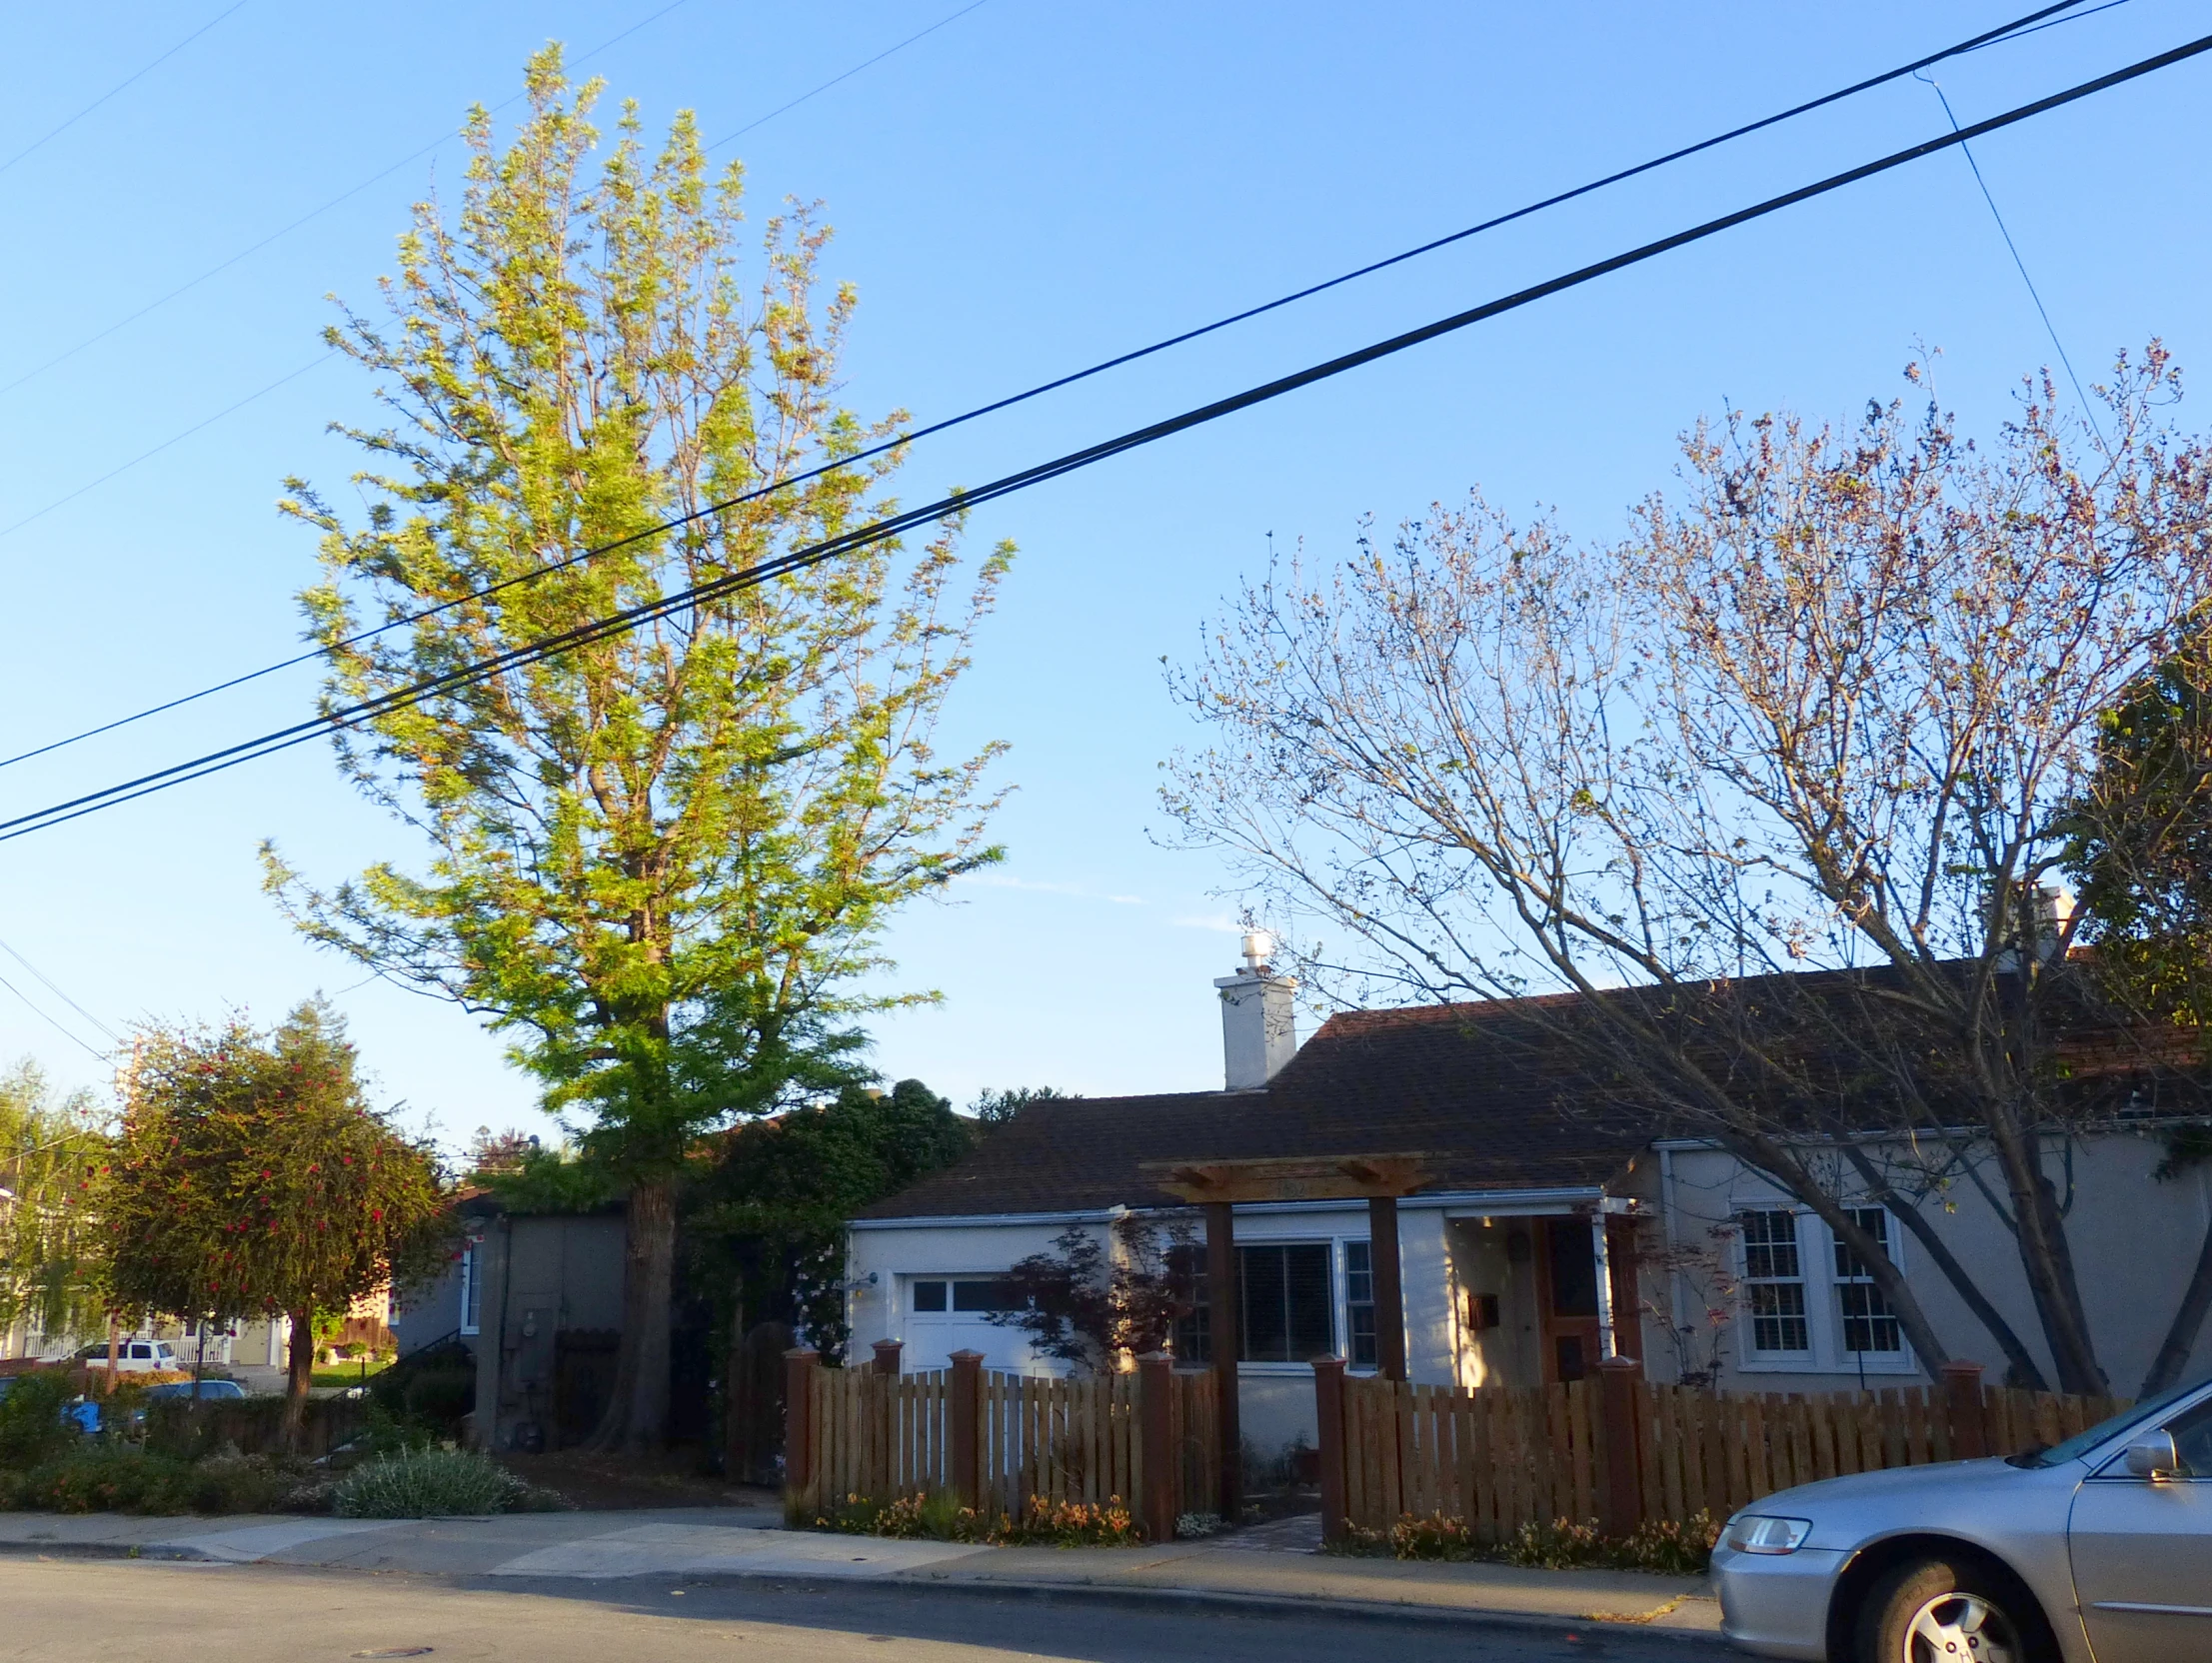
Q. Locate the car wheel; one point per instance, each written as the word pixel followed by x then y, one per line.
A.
pixel 1949 1611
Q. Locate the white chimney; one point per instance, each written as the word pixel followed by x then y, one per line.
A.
pixel 1259 1032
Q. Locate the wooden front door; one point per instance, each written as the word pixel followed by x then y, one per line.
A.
pixel 1567 1293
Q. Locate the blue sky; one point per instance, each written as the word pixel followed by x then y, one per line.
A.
pixel 1024 189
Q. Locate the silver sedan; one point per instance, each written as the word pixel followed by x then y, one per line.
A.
pixel 2096 1551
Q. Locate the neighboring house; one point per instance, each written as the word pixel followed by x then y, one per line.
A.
pixel 1540 1238
pixel 536 1300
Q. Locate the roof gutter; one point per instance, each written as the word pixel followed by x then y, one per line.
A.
pixel 1497 1202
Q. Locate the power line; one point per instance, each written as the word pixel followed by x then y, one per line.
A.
pixel 175 438
pixel 2018 264
pixel 135 75
pixel 2038 19
pixel 51 987
pixel 283 232
pixel 799 558
pixel 846 76
pixel 52 1021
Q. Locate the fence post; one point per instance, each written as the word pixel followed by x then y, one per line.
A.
pixel 1619 1379
pixel 887 1355
pixel 965 1410
pixel 1328 1413
pixel 1224 1297
pixel 1962 1396
pixel 800 1364
pixel 1156 1411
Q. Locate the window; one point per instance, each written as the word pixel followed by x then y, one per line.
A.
pixel 1774 1282
pixel 1288 1300
pixel 995 1294
pixel 1360 1304
pixel 1869 1325
pixel 971 1294
pixel 1193 1338
pixel 472 1290
pixel 1286 1307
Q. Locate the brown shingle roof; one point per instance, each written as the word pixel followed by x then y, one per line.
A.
pixel 1472 1085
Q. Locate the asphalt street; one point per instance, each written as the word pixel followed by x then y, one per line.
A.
pixel 144 1611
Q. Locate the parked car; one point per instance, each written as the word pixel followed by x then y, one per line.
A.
pixel 132 1357
pixel 2097 1550
pixel 205 1391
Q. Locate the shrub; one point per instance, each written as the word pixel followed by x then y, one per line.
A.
pixel 1071 1524
pixel 1438 1536
pixel 939 1516
pixel 31 1426
pixel 1190 1526
pixel 107 1478
pixel 1677 1547
pixel 428 1483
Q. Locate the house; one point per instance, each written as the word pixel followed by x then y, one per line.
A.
pixel 1532 1234
pixel 535 1299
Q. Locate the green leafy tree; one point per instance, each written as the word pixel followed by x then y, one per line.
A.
pixel 768 1218
pixel 47 1239
pixel 659 863
pixel 2140 856
pixel 996 1108
pixel 251 1177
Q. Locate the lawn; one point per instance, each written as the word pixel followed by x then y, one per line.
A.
pixel 348 1374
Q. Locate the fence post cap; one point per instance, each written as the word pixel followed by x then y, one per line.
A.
pixel 968 1356
pixel 799 1352
pixel 1620 1365
pixel 1327 1363
pixel 1958 1368
pixel 1157 1357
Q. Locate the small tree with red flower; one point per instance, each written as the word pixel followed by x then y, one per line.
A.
pixel 251 1177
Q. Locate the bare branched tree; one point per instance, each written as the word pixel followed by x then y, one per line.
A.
pixel 1778 787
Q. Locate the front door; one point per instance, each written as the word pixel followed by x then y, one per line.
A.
pixel 1566 1282
pixel 2142 1553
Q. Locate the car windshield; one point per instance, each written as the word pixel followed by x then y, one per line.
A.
pixel 2081 1443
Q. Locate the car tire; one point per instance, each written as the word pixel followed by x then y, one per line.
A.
pixel 1951 1611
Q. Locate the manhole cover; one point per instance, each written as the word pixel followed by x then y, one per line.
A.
pixel 396 1651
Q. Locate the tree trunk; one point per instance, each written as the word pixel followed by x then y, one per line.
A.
pixel 2023 1369
pixel 638 1407
pixel 298 1379
pixel 2047 1259
pixel 2181 1339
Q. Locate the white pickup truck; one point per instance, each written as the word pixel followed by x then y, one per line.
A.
pixel 132 1357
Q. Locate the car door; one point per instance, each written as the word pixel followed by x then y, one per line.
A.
pixel 2142 1552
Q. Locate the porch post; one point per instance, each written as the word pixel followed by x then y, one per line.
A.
pixel 1222 1301
pixel 1389 1287
pixel 1607 1342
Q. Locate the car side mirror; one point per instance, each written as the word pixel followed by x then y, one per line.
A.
pixel 2152 1455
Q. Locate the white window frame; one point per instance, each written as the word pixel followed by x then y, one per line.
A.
pixel 471 1313
pixel 1753 1355
pixel 1816 1266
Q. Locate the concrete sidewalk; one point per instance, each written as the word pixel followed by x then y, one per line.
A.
pixel 1254 1572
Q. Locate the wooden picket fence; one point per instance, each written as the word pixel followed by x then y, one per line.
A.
pixel 1503 1457
pixel 879 1435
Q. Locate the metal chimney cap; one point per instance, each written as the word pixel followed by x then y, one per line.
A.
pixel 1259 948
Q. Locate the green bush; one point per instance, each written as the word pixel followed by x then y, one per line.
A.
pixel 939 1516
pixel 440 1396
pixel 428 1483
pixel 109 1478
pixel 31 1426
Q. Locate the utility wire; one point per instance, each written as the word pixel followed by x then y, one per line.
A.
pixel 175 438
pixel 59 994
pixel 52 1021
pixel 2018 264
pixel 846 76
pixel 2040 18
pixel 338 721
pixel 283 232
pixel 135 75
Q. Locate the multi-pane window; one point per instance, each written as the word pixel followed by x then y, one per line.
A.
pixel 1285 1307
pixel 1869 1325
pixel 1360 1304
pixel 970 1295
pixel 1774 1282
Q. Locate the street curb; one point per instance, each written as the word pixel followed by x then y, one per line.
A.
pixel 1213 1601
